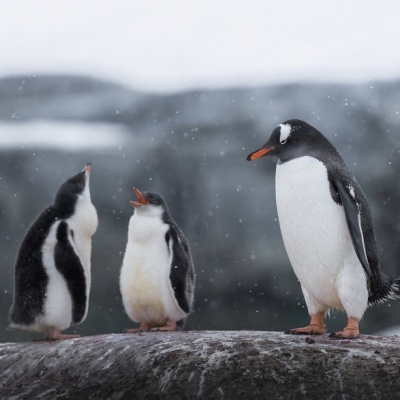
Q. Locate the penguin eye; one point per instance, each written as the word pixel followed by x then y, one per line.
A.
pixel 283 141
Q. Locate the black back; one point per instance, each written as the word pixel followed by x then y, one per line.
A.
pixel 30 277
pixel 181 275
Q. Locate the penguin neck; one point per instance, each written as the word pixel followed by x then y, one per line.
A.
pixel 84 218
pixel 322 150
pixel 144 226
pixel 151 211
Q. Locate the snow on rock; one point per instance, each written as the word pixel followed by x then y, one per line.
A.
pixel 200 364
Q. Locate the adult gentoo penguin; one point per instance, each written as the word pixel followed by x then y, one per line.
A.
pixel 326 227
pixel 52 270
pixel 157 275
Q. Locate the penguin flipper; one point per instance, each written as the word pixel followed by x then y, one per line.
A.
pixel 70 267
pixel 182 272
pixel 353 219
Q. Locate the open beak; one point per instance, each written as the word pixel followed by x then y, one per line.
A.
pixel 87 170
pixel 142 200
pixel 259 153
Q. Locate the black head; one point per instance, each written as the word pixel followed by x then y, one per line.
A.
pixel 69 191
pixel 291 139
pixel 148 199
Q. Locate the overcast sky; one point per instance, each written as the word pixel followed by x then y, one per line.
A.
pixel 169 45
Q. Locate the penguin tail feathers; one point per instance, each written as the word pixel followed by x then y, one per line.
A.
pixel 383 289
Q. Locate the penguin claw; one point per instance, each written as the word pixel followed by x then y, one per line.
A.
pixel 291 332
pixel 335 336
pixel 136 330
pixel 342 336
pixel 307 330
pixel 297 332
pixel 169 327
pixel 351 331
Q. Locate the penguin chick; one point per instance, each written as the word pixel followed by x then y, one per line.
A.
pixel 52 270
pixel 326 227
pixel 157 275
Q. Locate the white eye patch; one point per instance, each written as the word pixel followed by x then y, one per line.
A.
pixel 286 130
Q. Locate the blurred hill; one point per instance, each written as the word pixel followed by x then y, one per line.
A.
pixel 191 147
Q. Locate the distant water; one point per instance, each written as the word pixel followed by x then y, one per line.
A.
pixel 66 135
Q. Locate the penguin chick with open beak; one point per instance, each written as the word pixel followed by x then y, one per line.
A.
pixel 52 270
pixel 157 275
pixel 326 227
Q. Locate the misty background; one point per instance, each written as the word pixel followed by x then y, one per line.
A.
pixel 172 98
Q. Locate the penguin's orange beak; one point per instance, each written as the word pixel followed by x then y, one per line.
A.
pixel 87 170
pixel 142 200
pixel 88 167
pixel 259 153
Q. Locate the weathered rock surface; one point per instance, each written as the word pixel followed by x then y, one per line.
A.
pixel 202 364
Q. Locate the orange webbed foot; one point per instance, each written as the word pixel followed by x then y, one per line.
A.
pixel 308 330
pixel 316 327
pixel 350 332
pixel 66 337
pixel 142 328
pixel 55 334
pixel 136 330
pixel 170 326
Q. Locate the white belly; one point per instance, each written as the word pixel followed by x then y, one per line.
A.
pixel 144 281
pixel 84 223
pixel 314 228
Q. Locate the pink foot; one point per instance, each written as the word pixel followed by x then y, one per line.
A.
pixel 171 326
pixel 142 328
pixel 316 327
pixel 55 334
pixel 350 332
